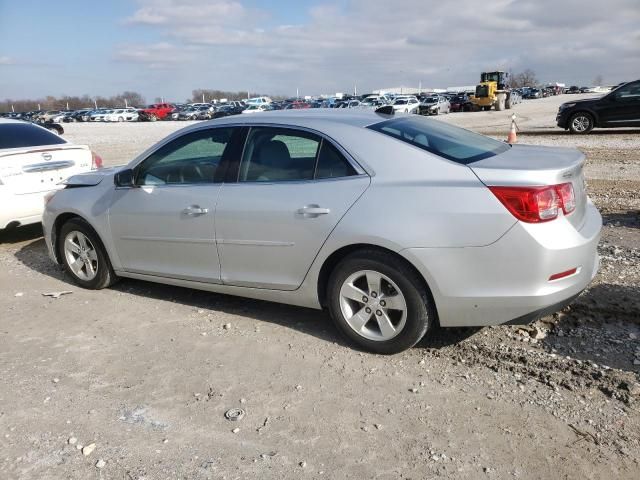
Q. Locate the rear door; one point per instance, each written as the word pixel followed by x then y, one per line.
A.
pixel 34 160
pixel 292 189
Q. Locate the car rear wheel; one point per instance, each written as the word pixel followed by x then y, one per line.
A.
pixel 379 303
pixel 581 123
pixel 83 255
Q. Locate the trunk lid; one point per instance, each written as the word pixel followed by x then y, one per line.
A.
pixel 41 169
pixel 532 165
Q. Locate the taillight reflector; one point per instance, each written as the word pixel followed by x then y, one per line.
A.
pixel 536 204
pixel 557 276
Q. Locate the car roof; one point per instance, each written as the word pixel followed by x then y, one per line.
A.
pixel 306 117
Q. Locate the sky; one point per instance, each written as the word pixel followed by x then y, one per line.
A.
pixel 167 48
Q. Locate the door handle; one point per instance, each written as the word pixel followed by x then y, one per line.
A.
pixel 313 211
pixel 195 210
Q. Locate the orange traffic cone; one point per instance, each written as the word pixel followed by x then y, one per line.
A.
pixel 512 137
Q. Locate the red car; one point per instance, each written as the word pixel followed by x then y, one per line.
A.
pixel 158 111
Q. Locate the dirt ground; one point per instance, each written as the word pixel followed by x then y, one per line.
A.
pixel 146 372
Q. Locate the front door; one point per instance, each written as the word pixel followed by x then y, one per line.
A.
pixel 292 189
pixel 622 107
pixel 165 224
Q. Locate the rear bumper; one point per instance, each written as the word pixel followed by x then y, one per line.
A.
pixel 21 209
pixel 508 281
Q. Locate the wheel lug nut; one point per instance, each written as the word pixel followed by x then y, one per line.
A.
pixel 365 299
pixel 378 312
pixel 383 303
pixel 368 310
pixel 374 294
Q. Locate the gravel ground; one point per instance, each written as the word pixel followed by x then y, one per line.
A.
pixel 146 372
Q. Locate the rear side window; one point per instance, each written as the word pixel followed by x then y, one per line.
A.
pixel 331 163
pixel 453 143
pixel 20 135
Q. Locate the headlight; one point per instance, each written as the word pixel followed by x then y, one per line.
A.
pixel 564 106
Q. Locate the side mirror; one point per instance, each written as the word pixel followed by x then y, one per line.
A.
pixel 124 178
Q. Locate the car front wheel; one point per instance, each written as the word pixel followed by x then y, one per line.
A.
pixel 83 255
pixel 581 123
pixel 379 303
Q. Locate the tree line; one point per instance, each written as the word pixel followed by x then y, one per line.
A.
pixel 132 99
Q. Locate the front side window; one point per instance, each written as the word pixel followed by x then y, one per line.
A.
pixel 630 91
pixel 281 154
pixel 190 159
pixel 453 143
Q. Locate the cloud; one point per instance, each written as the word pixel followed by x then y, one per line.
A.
pixel 381 43
pixel 158 56
pixel 5 60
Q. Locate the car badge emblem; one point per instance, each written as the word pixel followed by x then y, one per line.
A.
pixel 47 156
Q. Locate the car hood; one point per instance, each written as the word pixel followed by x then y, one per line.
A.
pixel 92 178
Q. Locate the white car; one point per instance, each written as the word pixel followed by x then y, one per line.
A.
pixel 33 162
pixel 408 104
pixel 255 108
pixel 122 115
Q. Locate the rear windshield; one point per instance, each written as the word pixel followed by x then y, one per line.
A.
pixel 19 135
pixel 453 143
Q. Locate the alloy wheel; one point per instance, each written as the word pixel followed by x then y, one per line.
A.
pixel 81 255
pixel 373 305
pixel 581 123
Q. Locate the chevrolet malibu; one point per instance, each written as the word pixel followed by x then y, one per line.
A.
pixel 393 223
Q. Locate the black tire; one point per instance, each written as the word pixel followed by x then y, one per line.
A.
pixel 105 276
pixel 420 308
pixel 581 123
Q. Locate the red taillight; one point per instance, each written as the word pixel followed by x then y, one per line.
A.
pixel 537 204
pixel 567 196
pixel 96 161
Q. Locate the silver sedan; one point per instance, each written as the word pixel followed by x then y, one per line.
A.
pixel 394 224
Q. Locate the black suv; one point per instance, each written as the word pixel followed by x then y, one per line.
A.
pixel 618 108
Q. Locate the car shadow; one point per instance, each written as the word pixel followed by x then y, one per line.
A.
pixel 600 327
pixel 21 234
pixel 309 321
pixel 558 131
pixel 629 219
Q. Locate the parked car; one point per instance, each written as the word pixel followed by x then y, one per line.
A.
pixel 33 161
pixel 461 103
pixel 76 116
pixel 254 108
pixel 618 108
pixel 434 105
pixel 431 225
pixel 158 111
pixel 122 115
pixel 99 115
pixel 225 111
pixel 405 104
pixel 258 101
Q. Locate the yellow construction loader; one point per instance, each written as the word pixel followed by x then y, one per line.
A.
pixel 492 91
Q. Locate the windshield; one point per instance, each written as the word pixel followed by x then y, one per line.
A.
pixel 401 101
pixel 453 143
